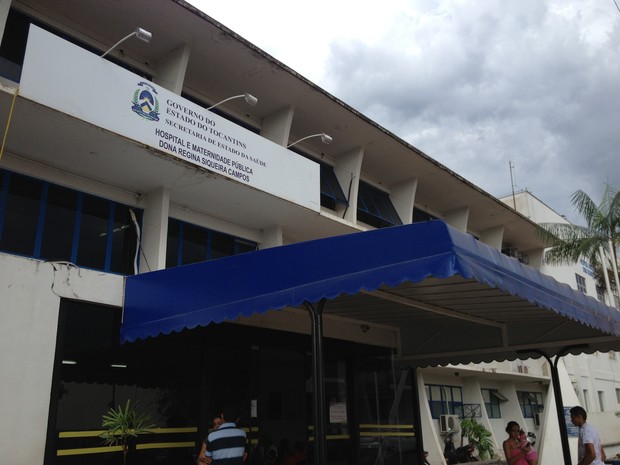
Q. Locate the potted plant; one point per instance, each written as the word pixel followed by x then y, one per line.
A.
pixel 123 425
pixel 479 436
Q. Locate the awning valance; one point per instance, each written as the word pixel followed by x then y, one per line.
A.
pixel 453 298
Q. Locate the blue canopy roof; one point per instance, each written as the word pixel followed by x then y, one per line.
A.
pixel 451 297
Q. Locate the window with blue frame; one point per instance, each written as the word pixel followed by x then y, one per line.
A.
pixel 530 403
pixel 491 399
pixel 444 400
pixel 49 222
pixel 581 283
pixel 420 215
pixel 375 208
pixel 332 194
pixel 13 45
pixel 188 243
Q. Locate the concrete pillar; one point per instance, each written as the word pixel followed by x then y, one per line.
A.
pixel 5 5
pixel 272 237
pixel 171 69
pixel 277 126
pixel 493 237
pixel 535 258
pixel 458 218
pixel 472 391
pixel 347 169
pixel 548 441
pixel 403 198
pixel 427 425
pixel 155 230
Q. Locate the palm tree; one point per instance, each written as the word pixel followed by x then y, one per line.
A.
pixel 597 241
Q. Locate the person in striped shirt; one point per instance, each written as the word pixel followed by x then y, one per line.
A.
pixel 226 445
pixel 202 458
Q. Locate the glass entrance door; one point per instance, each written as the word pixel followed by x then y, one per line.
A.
pixel 280 407
pixel 383 404
pixel 338 429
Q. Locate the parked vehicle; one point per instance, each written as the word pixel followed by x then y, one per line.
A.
pixel 454 455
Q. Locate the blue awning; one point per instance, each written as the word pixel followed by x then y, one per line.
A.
pixel 450 297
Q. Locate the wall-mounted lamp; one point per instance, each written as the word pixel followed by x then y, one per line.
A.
pixel 140 33
pixel 325 138
pixel 249 98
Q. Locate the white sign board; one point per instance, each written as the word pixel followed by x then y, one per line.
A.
pixel 74 81
pixel 338 412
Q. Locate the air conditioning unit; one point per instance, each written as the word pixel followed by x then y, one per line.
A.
pixel 449 424
pixel 537 420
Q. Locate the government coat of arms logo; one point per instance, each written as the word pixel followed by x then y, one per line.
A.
pixel 145 102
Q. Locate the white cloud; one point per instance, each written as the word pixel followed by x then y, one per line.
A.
pixel 473 83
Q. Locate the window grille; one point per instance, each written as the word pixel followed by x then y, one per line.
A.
pixel 375 208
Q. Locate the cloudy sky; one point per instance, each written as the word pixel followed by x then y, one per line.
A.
pixel 475 84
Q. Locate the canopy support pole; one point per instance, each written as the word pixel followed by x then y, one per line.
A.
pixel 557 394
pixel 318 379
pixel 559 407
pixel 417 416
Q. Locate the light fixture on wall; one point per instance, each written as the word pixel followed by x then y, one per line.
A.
pixel 249 98
pixel 140 33
pixel 325 138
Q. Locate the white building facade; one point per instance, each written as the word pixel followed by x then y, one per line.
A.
pixel 140 161
pixel 594 378
pixel 589 380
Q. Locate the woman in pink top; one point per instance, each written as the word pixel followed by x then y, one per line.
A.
pixel 512 446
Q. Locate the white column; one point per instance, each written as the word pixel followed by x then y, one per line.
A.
pixel 493 237
pixel 402 196
pixel 535 257
pixel 171 69
pixel 548 442
pixel 272 237
pixel 427 427
pixel 347 169
pixel 458 218
pixel 277 126
pixel 155 230
pixel 5 5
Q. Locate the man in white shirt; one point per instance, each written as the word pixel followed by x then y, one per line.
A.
pixel 589 450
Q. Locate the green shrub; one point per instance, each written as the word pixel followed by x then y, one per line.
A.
pixel 122 425
pixel 477 434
